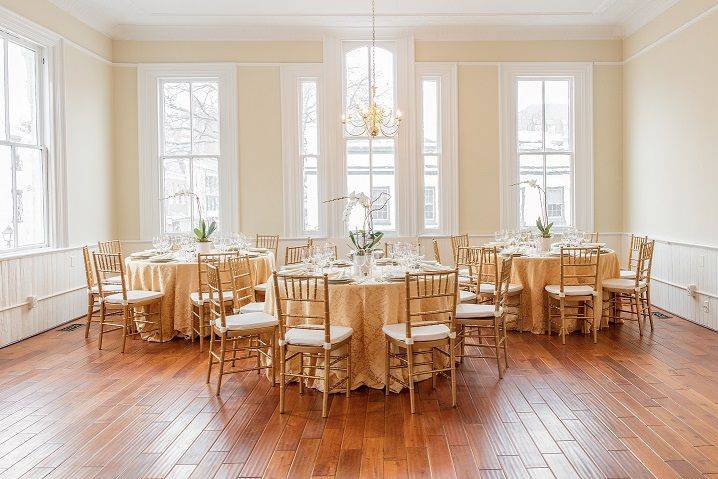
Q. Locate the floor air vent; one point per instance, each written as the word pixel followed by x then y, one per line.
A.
pixel 71 327
pixel 660 315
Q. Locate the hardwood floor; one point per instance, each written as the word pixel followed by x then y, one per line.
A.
pixel 626 407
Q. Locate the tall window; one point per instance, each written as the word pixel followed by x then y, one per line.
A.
pixel 545 146
pixel 190 150
pixel 431 147
pixel 23 167
pixel 371 162
pixel 309 152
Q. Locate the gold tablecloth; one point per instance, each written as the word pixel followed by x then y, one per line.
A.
pixel 534 273
pixel 366 308
pixel 177 280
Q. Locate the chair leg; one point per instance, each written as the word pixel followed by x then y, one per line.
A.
pixel 200 327
pixel 639 312
pixel 90 308
pixel 222 352
pixel 505 342
pixel 273 345
pixel 301 371
pixel 562 305
pixel 259 359
pixel 650 306
pixel 462 338
pixel 595 323
pixel 211 347
pixel 452 365
pixel 548 313
pixel 410 367
pixel 325 396
pixel 497 347
pixel 282 372
pixel 102 325
pixel 433 367
pixel 349 367
pixel 126 328
pixel 388 366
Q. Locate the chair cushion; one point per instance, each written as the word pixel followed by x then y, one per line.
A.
pixel 134 297
pixel 194 297
pixel 466 296
pixel 570 290
pixel 244 322
pixel 252 308
pixel 419 333
pixel 114 280
pixel 622 284
pixel 473 311
pixel 261 287
pixel 488 288
pixel 107 288
pixel 625 273
pixel 464 279
pixel 315 337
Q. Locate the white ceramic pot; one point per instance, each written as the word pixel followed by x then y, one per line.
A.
pixel 205 247
pixel 545 244
pixel 362 264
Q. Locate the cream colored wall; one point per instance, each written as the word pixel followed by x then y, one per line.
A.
pixel 89 147
pixel 670 132
pixel 126 164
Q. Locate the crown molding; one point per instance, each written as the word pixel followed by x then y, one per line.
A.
pixel 641 16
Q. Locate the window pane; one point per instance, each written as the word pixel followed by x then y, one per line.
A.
pixel 30 197
pixel 383 180
pixel 177 211
pixel 557 94
pixel 430 116
pixel 530 168
pixel 529 115
pixel 7 229
pixel 206 185
pixel 205 118
pixel 308 118
pixel 176 118
pixel 356 77
pixel 3 129
pixel 311 194
pixel 357 176
pixel 431 188
pixel 22 86
pixel 558 189
pixel 384 78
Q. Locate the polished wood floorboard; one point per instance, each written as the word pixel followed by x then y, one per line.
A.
pixel 624 408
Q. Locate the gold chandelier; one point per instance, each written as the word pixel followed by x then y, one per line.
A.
pixel 373 120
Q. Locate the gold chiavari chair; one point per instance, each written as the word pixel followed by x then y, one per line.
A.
pixel 93 291
pixel 468 260
pixel 251 333
pixel 295 254
pixel 576 295
pixel 244 297
pixel 110 246
pixel 199 299
pixel 131 308
pixel 488 273
pixel 429 330
pixel 594 237
pixel 458 241
pixel 305 332
pixel 634 292
pixel 437 251
pixel 634 248
pixel 270 242
pixel 485 322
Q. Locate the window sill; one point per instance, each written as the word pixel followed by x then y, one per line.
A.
pixel 18 254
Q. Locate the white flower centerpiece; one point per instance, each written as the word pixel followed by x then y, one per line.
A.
pixel 203 231
pixel 364 239
pixel 542 223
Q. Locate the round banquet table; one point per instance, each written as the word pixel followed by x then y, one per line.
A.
pixel 177 279
pixel 534 273
pixel 366 307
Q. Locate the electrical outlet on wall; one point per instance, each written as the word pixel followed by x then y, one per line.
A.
pixel 706 306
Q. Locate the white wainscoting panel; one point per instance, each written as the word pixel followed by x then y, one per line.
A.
pixel 56 279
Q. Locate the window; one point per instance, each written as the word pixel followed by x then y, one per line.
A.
pixel 383 216
pixel 430 205
pixel 309 152
pixel 547 123
pixel 187 143
pixel 23 165
pixel 430 146
pixel 371 162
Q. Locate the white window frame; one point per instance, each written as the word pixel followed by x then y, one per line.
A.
pixel 290 81
pixel 582 144
pixel 51 126
pixel 148 78
pixel 448 157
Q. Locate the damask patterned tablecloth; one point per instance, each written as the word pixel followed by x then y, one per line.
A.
pixel 177 279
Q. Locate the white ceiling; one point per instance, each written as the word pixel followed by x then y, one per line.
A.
pixel 439 18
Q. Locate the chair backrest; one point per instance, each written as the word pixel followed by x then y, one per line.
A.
pixel 501 297
pixel 634 249
pixel 458 241
pixel 302 302
pixel 216 294
pixel 579 266
pixel 87 260
pixel 295 254
pixel 437 251
pixel 268 242
pixel 594 237
pixel 431 299
pixel 240 271
pixel 110 246
pixel 221 261
pixel 109 265
pixel 489 267
pixel 644 262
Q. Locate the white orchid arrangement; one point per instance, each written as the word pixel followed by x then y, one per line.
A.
pixel 365 238
pixel 202 231
pixel 542 223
